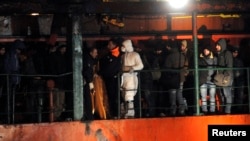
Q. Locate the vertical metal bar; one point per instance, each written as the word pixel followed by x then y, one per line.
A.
pixel 13 93
pixel 8 98
pixel 248 89
pixel 77 68
pixel 40 105
pixel 169 22
pixel 196 69
pixel 51 86
pixel 139 92
pixel 119 94
pixel 51 107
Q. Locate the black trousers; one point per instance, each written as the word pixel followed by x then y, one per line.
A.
pixel 87 103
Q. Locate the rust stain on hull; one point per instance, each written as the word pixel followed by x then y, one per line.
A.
pixel 153 129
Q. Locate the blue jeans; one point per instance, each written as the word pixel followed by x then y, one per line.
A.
pixel 175 95
pixel 208 88
pixel 228 97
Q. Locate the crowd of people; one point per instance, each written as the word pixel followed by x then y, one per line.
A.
pixel 125 79
pixel 28 73
pixel 157 78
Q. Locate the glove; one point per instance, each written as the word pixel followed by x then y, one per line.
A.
pixel 91 85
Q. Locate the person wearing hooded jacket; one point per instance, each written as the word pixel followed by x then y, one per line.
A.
pixel 207 60
pixel 131 62
pixel 175 79
pixel 225 60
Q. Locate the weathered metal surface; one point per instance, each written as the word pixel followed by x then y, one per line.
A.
pixel 77 67
pixel 123 7
pixel 193 128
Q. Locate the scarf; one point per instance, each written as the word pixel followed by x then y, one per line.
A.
pixel 115 52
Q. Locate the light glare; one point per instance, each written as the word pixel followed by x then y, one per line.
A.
pixel 177 3
pixel 34 14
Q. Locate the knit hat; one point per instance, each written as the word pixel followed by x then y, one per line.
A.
pixel 184 43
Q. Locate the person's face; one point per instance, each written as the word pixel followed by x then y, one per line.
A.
pixel 206 52
pixel 218 48
pixel 111 45
pixel 2 51
pixel 94 53
pixel 22 57
pixel 235 53
pixel 183 48
pixel 63 50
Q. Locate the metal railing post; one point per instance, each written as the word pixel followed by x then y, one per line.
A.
pixel 8 99
pixel 119 95
pixel 248 84
pixel 139 92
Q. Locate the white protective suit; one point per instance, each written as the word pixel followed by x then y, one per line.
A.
pixel 131 62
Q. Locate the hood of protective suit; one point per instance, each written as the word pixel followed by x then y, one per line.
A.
pixel 127 46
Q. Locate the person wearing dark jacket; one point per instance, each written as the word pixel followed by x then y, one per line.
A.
pixel 62 67
pixel 239 80
pixel 33 86
pixel 89 62
pixel 146 85
pixel 2 81
pixel 12 67
pixel 56 64
pixel 110 66
pixel 175 78
pixel 207 60
pixel 225 60
pixel 2 70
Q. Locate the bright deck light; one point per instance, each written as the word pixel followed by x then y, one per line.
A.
pixel 177 3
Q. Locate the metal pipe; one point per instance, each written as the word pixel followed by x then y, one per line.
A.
pixel 51 86
pixel 51 107
pixel 78 106
pixel 119 94
pixel 13 93
pixel 8 98
pixel 139 92
pixel 196 68
pixel 39 109
pixel 248 83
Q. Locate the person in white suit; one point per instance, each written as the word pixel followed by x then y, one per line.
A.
pixel 131 62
